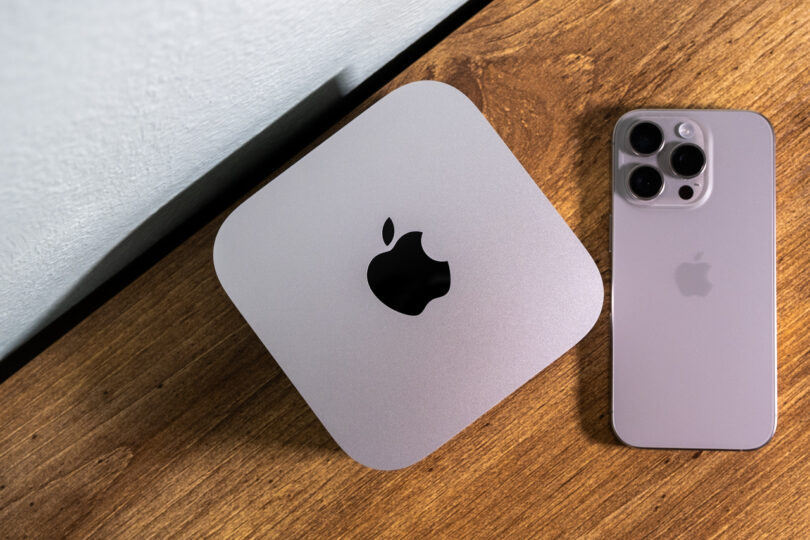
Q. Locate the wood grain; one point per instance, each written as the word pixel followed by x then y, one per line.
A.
pixel 162 415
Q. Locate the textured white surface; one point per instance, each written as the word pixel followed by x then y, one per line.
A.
pixel 110 109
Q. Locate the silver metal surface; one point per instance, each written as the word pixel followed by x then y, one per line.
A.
pixel 391 388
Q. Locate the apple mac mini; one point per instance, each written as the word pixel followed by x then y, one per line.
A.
pixel 407 275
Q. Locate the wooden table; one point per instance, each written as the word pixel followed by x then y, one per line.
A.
pixel 162 414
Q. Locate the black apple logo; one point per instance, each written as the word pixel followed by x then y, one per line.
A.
pixel 693 278
pixel 405 278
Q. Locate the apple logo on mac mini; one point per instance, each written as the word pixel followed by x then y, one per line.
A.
pixel 692 278
pixel 405 278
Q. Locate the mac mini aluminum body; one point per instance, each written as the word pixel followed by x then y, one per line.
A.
pixel 407 275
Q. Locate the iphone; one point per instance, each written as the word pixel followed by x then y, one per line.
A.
pixel 693 279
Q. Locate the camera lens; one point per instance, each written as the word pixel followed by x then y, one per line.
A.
pixel 687 160
pixel 686 192
pixel 646 138
pixel 645 182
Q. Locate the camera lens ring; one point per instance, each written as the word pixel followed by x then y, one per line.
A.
pixel 645 182
pixel 687 160
pixel 645 138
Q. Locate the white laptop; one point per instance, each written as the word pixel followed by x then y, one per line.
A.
pixel 407 275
